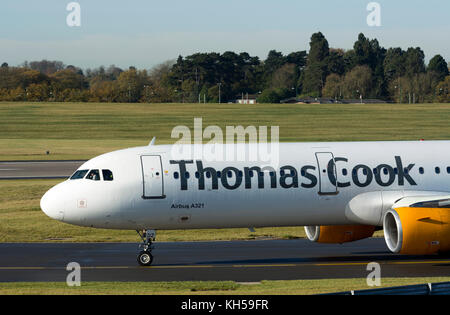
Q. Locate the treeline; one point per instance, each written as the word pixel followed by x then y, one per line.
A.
pixel 366 71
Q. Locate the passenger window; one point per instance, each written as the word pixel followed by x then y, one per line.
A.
pixel 107 175
pixel 79 174
pixel 421 170
pixel 438 170
pixel 94 175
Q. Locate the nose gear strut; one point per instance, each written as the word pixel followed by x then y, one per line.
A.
pixel 145 257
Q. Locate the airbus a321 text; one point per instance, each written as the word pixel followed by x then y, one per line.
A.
pixel 340 192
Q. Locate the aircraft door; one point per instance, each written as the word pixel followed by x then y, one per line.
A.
pixel 153 180
pixel 327 173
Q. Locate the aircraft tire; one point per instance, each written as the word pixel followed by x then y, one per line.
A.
pixel 145 258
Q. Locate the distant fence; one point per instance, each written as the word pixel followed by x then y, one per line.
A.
pixel 442 288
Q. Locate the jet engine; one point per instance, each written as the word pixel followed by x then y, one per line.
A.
pixel 418 229
pixel 338 234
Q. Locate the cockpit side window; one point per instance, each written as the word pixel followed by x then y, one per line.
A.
pixel 94 175
pixel 107 175
pixel 79 174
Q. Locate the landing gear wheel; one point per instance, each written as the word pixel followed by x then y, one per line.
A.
pixel 145 258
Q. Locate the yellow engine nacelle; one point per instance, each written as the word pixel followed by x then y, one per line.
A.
pixel 417 231
pixel 338 234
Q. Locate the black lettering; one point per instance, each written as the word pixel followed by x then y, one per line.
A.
pixel 201 180
pixel 291 174
pixel 332 174
pixel 366 171
pixel 311 177
pixel 404 173
pixel 391 173
pixel 248 178
pixel 224 178
pixel 272 174
pixel 182 166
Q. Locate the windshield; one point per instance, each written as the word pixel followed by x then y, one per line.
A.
pixel 107 175
pixel 79 174
pixel 94 175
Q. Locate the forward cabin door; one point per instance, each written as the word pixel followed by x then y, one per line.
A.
pixel 153 180
pixel 327 173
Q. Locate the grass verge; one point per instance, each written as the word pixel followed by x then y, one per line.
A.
pixel 85 130
pixel 288 287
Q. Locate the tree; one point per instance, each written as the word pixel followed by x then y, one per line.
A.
pixel 443 91
pixel 272 96
pixel 316 68
pixel 104 91
pixel 358 82
pixel 68 79
pixel 414 61
pixel 284 77
pixel 334 86
pixel 46 67
pixel 38 92
pixel 274 61
pixel 370 53
pixel 363 51
pixel 394 64
pixel 439 66
pixel 420 87
pixel 336 62
pixel 319 48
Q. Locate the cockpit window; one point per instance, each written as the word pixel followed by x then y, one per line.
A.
pixel 107 175
pixel 94 175
pixel 79 174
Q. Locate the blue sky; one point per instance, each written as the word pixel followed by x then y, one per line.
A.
pixel 144 33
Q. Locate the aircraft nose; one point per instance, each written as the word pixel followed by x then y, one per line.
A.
pixel 50 205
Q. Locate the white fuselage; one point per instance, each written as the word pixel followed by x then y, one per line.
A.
pixel 312 184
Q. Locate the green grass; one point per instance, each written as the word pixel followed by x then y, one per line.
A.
pixel 288 287
pixel 84 130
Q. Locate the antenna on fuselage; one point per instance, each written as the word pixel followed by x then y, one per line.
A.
pixel 152 142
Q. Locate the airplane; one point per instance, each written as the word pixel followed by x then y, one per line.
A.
pixel 338 191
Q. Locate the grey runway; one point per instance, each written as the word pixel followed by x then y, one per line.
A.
pixel 38 169
pixel 241 261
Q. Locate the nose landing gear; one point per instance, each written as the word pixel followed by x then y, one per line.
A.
pixel 145 257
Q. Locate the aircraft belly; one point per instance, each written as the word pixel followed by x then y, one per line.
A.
pixel 249 209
